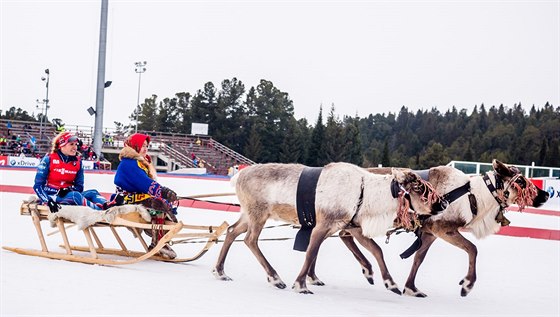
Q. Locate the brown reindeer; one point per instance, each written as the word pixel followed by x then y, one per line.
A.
pixel 346 196
pixel 493 192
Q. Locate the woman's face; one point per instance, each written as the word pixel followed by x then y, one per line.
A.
pixel 70 149
pixel 144 149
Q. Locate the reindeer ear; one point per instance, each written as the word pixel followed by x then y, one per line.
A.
pixel 501 168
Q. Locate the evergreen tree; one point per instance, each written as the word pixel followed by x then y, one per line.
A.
pixel 166 116
pixel 317 153
pixel 233 114
pixel 334 139
pixel 386 158
pixel 147 113
pixel 204 105
pixel 543 152
pixel 552 157
pixel 19 114
pixel 291 150
pixel 434 155
pixel 272 111
pixel 183 123
pixel 253 148
pixel 352 142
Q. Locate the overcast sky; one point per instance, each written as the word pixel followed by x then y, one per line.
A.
pixel 363 56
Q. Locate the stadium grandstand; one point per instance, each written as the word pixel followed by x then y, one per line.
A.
pixel 169 151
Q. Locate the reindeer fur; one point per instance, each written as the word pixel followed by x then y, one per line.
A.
pixel 84 216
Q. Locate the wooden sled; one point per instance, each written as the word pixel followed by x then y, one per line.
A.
pixel 176 233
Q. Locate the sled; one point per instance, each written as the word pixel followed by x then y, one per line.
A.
pixel 176 233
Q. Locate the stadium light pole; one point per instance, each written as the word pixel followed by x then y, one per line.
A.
pixel 140 68
pixel 44 103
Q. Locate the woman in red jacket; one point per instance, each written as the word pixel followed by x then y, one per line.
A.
pixel 60 177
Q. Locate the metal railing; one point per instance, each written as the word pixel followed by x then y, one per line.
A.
pixel 530 171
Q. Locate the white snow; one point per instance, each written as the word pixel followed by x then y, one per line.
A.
pixel 516 276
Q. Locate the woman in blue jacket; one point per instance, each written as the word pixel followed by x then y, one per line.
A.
pixel 60 177
pixel 136 179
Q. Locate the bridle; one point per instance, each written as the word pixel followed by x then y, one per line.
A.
pixel 494 190
pixel 525 192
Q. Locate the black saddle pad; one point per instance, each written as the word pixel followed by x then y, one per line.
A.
pixel 305 205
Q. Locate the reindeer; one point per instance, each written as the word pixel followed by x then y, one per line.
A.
pixel 474 203
pixel 346 196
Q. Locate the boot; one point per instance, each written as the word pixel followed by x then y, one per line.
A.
pixel 166 252
pixel 117 201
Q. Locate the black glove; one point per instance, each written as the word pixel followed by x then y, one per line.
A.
pixel 63 192
pixel 168 194
pixel 53 206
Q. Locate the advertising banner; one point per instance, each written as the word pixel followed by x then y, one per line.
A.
pixel 18 161
pixel 552 186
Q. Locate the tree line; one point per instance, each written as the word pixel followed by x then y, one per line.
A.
pixel 259 123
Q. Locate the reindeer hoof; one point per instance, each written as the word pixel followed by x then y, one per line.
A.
pixel 415 293
pixel 221 276
pixel 301 290
pixel 392 286
pixel 315 281
pixel 467 287
pixel 368 276
pixel 276 282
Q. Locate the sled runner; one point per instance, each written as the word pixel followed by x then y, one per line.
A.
pixel 135 218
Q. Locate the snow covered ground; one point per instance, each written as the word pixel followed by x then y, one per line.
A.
pixel 516 276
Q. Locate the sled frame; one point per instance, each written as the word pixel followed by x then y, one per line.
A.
pixel 208 235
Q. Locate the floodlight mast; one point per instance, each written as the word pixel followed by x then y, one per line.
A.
pixel 140 69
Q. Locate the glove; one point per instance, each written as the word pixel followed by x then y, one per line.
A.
pixel 168 194
pixel 53 206
pixel 63 192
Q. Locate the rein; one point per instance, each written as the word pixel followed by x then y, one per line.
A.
pixel 524 195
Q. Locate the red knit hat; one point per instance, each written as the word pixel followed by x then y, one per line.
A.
pixel 65 138
pixel 136 141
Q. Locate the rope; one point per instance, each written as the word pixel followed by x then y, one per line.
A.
pixel 189 240
pixel 210 201
pixel 240 240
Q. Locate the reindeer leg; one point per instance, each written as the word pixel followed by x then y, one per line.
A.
pixel 312 277
pixel 232 232
pixel 410 288
pixel 457 239
pixel 317 237
pixel 348 240
pixel 251 240
pixel 374 248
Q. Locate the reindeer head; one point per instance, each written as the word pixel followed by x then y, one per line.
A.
pixel 514 188
pixel 422 194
